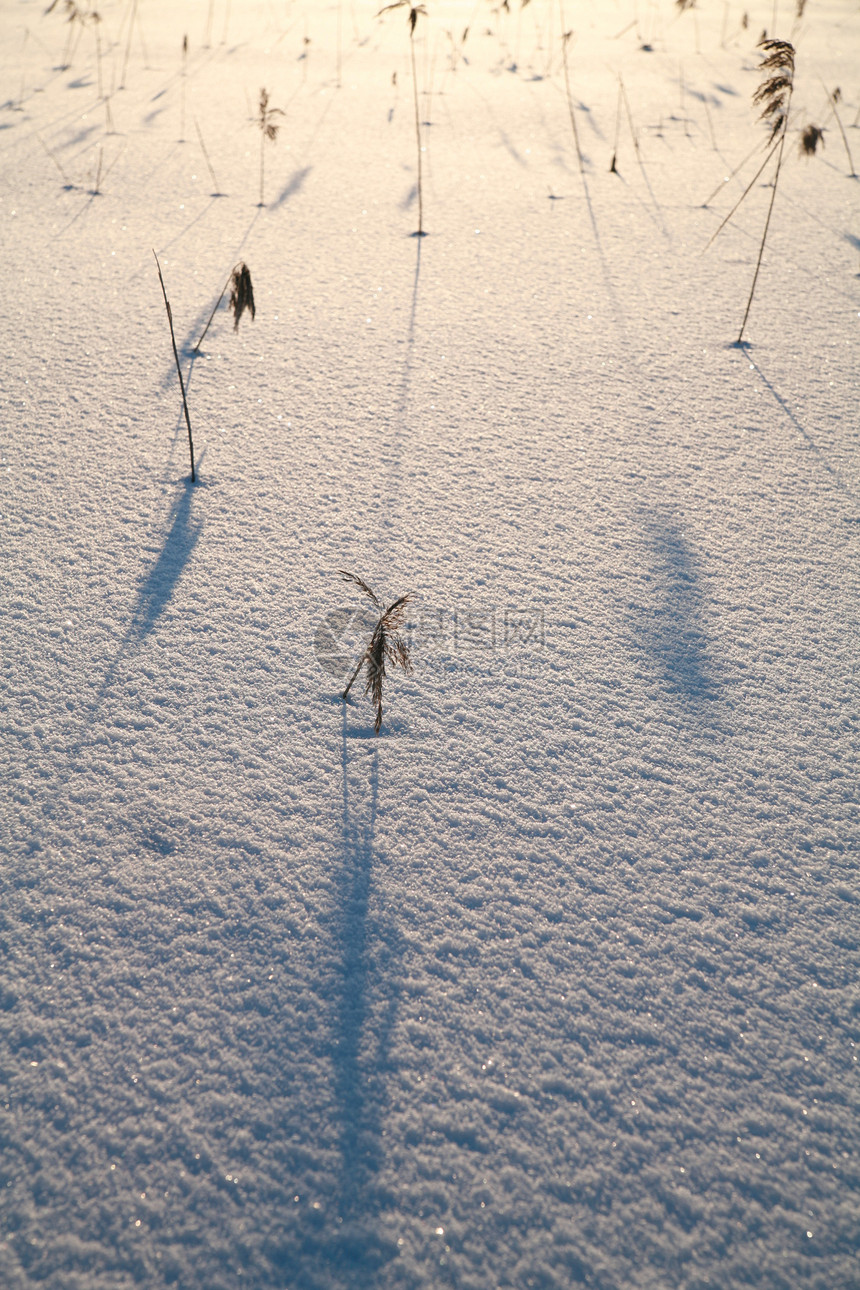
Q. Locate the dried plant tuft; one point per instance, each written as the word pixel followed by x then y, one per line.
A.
pixel 774 94
pixel 241 294
pixel 241 298
pixel 268 130
pixel 810 139
pixel 386 645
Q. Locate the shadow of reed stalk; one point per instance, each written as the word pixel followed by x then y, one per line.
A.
pixel 216 186
pixel 178 368
pixel 385 645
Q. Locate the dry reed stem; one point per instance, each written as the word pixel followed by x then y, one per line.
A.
pixel 774 96
pixel 178 368
pixel 415 11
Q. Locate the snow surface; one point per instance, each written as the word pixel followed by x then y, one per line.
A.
pixel 556 981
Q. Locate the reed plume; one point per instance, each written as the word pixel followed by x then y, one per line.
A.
pixel 241 294
pixel 241 298
pixel 268 130
pixel 810 138
pixel 386 645
pixel 773 96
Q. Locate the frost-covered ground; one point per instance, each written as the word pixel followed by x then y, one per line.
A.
pixel 555 982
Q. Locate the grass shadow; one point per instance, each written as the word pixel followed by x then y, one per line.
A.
pixel 348 1249
pixel 294 185
pixel 153 597
pixel 669 627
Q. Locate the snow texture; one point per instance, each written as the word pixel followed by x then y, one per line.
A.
pixel 556 981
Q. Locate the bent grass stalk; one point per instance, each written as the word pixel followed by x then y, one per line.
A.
pixel 178 368
pixel 833 99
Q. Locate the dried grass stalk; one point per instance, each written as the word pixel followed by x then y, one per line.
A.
pixel 241 294
pixel 415 11
pixel 810 138
pixel 178 369
pixel 774 98
pixel 268 130
pixel 386 645
pixel 241 298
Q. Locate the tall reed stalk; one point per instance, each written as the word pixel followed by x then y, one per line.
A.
pixel 415 11
pixel 268 130
pixel 774 98
pixel 178 369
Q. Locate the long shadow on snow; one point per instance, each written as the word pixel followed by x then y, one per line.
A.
pixel 348 1249
pixel 393 453
pixel 154 593
pixel 670 627
pixel 158 586
pixel 294 185
pixel 783 404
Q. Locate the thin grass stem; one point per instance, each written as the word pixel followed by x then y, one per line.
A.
pixel 417 133
pixel 215 310
pixel 743 195
pixel 763 238
pixel 178 368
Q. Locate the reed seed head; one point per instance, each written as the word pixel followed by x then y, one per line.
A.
pixel 241 294
pixel 415 11
pixel 774 95
pixel 386 644
pixel 265 115
pixel 810 139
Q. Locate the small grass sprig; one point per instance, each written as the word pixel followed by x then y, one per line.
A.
pixel 241 298
pixel 833 99
pixel 268 130
pixel 810 137
pixel 386 645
